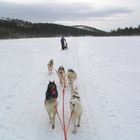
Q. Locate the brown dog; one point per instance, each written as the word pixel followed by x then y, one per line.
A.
pixel 50 66
pixel 62 75
pixel 71 76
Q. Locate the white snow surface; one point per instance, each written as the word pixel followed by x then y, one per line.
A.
pixel 108 70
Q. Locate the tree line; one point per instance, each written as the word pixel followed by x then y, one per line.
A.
pixel 126 31
pixel 16 28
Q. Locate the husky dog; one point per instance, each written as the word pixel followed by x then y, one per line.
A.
pixel 61 75
pixel 50 66
pixel 51 102
pixel 74 92
pixel 76 109
pixel 71 75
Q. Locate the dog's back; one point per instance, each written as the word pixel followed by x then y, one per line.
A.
pixel 77 110
pixel 61 74
pixel 76 107
pixel 50 106
pixel 71 75
pixel 50 66
pixel 74 92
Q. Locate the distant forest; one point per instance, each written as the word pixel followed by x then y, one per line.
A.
pixel 126 31
pixel 15 28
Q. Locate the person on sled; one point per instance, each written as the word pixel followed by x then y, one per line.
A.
pixel 63 43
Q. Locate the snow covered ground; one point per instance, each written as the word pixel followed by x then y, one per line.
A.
pixel 108 81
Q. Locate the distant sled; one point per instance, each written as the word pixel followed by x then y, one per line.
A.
pixel 65 47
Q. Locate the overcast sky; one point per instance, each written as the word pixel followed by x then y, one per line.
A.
pixel 101 14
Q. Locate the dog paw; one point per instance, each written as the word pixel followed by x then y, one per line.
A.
pixel 78 125
pixel 74 131
pixel 53 126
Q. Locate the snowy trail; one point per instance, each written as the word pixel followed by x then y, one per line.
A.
pixel 105 83
pixel 109 93
pixel 100 127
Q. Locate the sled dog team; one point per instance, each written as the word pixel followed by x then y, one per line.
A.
pixel 51 102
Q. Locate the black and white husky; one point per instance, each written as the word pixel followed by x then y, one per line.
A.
pixel 51 102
